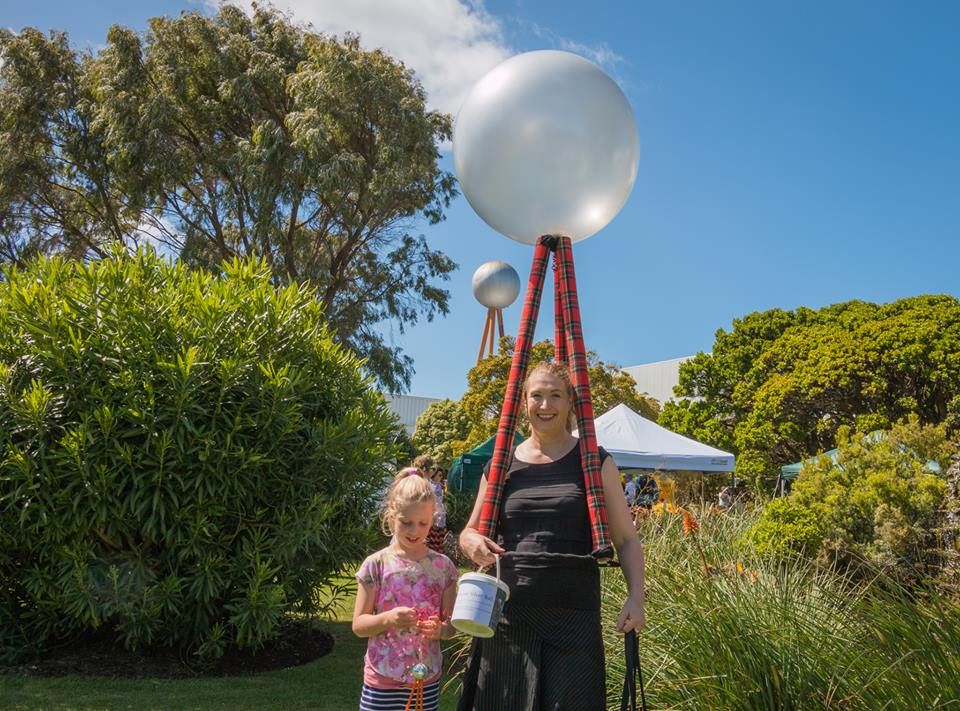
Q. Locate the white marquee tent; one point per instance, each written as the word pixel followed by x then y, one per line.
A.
pixel 637 443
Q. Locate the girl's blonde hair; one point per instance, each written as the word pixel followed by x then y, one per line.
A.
pixel 562 373
pixel 408 487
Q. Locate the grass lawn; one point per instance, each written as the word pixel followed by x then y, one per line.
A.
pixel 331 683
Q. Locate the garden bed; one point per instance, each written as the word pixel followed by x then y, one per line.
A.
pixel 299 642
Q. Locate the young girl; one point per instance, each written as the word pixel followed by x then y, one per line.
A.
pixel 404 599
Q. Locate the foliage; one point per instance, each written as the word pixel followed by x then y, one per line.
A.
pixel 776 633
pixel 406 449
pixel 183 458
pixel 876 503
pixel 786 527
pixel 778 386
pixel 459 505
pixel 232 135
pixel 949 533
pixel 438 427
pixel 487 386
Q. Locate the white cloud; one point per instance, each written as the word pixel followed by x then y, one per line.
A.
pixel 450 44
pixel 601 55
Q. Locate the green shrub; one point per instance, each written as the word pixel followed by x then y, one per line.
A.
pixel 785 527
pixel 877 502
pixel 184 457
pixel 874 507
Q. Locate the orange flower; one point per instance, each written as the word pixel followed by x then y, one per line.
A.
pixel 690 524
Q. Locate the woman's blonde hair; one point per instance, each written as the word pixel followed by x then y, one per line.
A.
pixel 562 373
pixel 408 487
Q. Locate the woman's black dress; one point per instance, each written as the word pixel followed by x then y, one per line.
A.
pixel 547 652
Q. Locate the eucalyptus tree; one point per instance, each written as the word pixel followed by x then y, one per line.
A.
pixel 230 135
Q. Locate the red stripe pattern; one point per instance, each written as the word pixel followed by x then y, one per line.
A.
pixel 568 344
pixel 559 328
pixel 490 511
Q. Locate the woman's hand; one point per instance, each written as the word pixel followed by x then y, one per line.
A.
pixel 478 548
pixel 400 617
pixel 632 616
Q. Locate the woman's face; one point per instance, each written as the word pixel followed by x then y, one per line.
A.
pixel 548 403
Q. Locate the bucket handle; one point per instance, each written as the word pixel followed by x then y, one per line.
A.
pixel 496 557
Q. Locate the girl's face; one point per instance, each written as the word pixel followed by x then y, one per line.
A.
pixel 548 403
pixel 411 526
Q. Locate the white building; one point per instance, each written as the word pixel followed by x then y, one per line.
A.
pixel 409 408
pixel 657 379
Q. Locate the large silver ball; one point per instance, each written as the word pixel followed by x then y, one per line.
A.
pixel 496 284
pixel 546 143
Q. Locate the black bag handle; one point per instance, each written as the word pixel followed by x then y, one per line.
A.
pixel 631 651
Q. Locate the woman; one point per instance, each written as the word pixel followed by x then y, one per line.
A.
pixel 547 652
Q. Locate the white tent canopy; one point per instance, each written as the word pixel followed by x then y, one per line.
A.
pixel 637 443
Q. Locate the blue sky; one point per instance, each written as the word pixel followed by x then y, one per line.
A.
pixel 792 154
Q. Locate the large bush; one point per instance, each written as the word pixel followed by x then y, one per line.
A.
pixel 878 502
pixel 184 457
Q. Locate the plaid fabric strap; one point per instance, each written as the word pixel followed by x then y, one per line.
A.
pixel 559 326
pixel 490 511
pixel 568 345
pixel 566 286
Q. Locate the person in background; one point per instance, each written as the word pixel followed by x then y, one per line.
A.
pixel 630 490
pixel 647 491
pixel 438 531
pixel 437 478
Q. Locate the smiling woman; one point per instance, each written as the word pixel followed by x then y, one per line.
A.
pixel 547 652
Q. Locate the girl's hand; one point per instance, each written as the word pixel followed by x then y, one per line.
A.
pixel 400 617
pixel 480 549
pixel 431 627
pixel 632 616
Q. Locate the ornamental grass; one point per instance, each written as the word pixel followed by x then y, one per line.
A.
pixel 776 634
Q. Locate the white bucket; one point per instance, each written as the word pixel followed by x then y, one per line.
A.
pixel 480 599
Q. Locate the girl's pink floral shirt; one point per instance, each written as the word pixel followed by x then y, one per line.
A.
pixel 399 582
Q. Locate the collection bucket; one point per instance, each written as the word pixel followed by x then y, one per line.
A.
pixel 480 599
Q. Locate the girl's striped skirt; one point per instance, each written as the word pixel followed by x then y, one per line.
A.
pixel 396 699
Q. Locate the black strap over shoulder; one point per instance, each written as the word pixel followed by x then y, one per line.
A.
pixel 631 650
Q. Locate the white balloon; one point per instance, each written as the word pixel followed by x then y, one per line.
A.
pixel 496 284
pixel 546 143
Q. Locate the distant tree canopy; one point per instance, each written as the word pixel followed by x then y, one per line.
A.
pixel 226 136
pixel 779 385
pixel 438 428
pixel 487 386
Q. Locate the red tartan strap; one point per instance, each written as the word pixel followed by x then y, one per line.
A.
pixel 490 511
pixel 589 452
pixel 559 327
